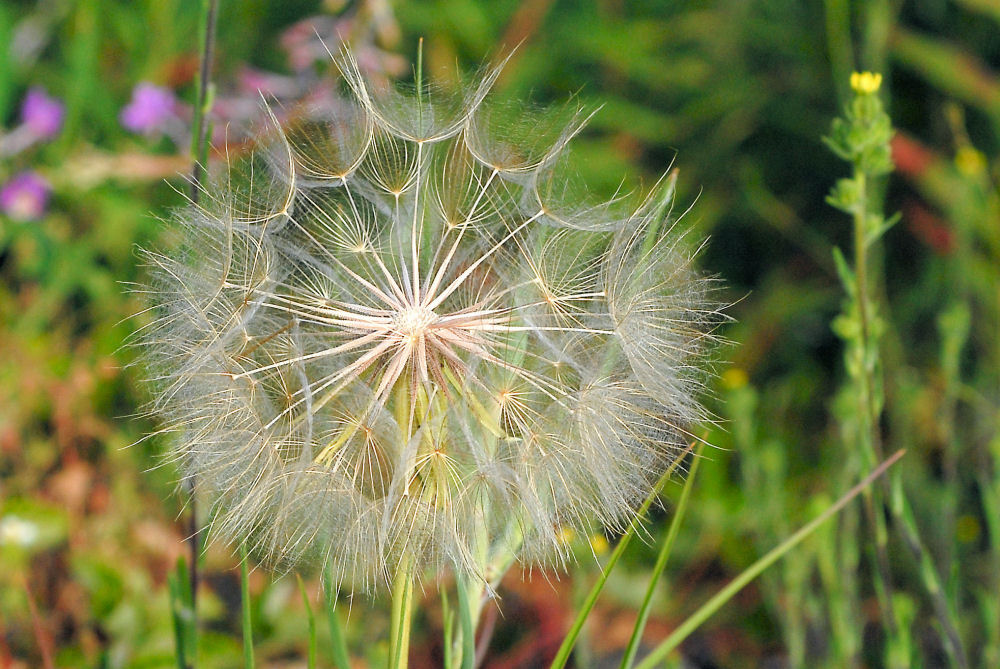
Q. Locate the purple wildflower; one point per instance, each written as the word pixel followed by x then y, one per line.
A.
pixel 42 114
pixel 24 197
pixel 150 109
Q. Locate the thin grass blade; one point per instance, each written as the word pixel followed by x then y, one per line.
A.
pixel 562 655
pixel 661 562
pixel 716 602
pixel 311 662
pixel 468 630
pixel 341 658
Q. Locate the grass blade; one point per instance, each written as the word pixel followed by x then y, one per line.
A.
pixel 715 603
pixel 311 662
pixel 341 659
pixel 468 629
pixel 177 617
pixel 661 563
pixel 562 655
pixel 182 615
pixel 448 618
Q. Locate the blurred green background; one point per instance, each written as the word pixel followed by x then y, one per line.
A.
pixel 737 94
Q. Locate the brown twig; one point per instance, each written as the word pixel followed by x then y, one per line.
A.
pixel 42 638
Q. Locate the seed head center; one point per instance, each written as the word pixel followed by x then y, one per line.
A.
pixel 414 321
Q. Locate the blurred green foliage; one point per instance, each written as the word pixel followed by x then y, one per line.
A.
pixel 737 94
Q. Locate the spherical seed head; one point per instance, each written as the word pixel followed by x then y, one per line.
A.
pixel 388 334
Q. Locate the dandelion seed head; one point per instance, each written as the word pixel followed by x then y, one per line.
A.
pixel 391 331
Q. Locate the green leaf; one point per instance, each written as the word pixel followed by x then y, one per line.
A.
pixel 881 227
pixel 341 658
pixel 844 271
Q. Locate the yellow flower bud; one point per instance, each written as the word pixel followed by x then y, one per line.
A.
pixel 866 83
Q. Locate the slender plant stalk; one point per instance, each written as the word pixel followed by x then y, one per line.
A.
pixel 661 562
pixel 175 584
pixel 199 151
pixel 893 489
pixel 42 636
pixel 903 516
pixel 402 580
pixel 402 607
pixel 199 138
pixel 182 614
pixel 863 138
pixel 193 542
pixel 562 655
pixel 245 601
pixel 870 436
pixel 753 571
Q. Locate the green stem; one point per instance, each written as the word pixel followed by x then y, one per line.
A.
pixel 245 600
pixel 402 606
pixel 716 602
pixel 199 137
pixel 180 611
pixel 902 514
pixel 448 620
pixel 893 490
pixel 200 151
pixel 870 435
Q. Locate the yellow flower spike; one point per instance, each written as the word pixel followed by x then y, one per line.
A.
pixel 566 535
pixel 866 83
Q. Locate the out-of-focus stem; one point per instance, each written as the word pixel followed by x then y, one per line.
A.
pixel 893 487
pixel 199 149
pixel 199 143
pixel 870 435
pixel 839 43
